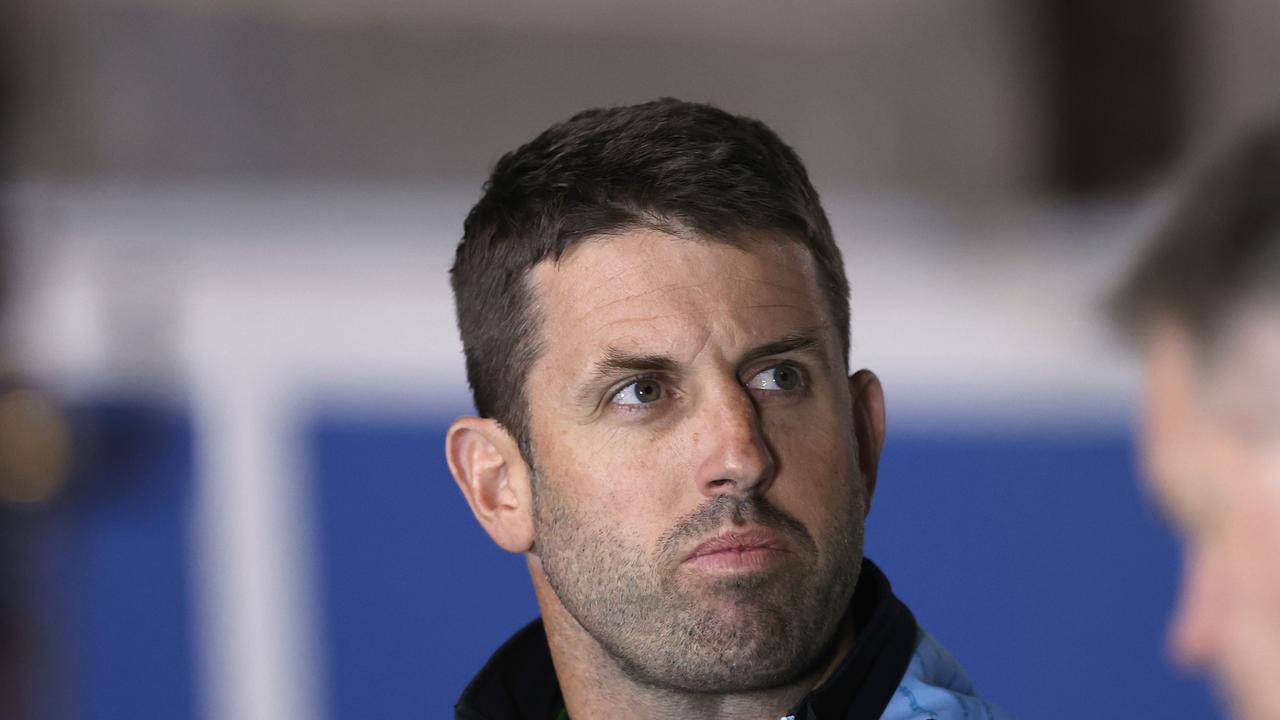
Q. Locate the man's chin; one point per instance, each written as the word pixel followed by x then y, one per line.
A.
pixel 737 669
pixel 736 645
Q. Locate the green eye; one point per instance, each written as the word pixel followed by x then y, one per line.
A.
pixel 778 377
pixel 639 393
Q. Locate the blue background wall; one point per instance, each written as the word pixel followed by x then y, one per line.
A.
pixel 113 561
pixel 1034 558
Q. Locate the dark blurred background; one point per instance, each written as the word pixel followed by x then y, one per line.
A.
pixel 227 353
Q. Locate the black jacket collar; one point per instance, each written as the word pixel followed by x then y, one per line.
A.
pixel 519 681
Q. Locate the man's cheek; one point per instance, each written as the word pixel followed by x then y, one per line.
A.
pixel 1254 543
pixel 820 456
pixel 618 482
pixel 817 491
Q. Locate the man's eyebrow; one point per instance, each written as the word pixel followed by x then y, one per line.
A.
pixel 790 343
pixel 615 361
pixel 618 362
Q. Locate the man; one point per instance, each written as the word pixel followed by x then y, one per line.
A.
pixel 1205 304
pixel 656 324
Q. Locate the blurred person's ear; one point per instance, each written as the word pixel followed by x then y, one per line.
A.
pixel 868 426
pixel 486 463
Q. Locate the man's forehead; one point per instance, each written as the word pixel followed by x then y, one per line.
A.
pixel 628 265
pixel 611 289
pixel 1198 396
pixel 1243 378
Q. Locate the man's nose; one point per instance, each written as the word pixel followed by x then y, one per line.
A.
pixel 733 454
pixel 1196 629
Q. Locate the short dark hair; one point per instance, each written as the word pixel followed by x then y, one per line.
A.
pixel 680 167
pixel 1219 248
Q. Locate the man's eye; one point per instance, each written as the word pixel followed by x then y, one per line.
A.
pixel 638 393
pixel 778 377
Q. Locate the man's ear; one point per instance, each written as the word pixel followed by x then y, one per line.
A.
pixel 486 463
pixel 868 425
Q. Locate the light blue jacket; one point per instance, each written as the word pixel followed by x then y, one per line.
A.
pixel 935 687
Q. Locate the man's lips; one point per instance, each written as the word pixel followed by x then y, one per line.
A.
pixel 746 549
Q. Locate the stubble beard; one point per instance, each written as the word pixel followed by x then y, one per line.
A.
pixel 702 635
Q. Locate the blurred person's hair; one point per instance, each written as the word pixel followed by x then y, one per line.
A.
pixel 1218 251
pixel 686 169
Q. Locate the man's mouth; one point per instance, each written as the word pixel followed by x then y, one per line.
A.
pixel 741 550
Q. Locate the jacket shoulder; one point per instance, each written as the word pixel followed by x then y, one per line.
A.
pixel 935 687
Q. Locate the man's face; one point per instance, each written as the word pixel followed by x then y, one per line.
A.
pixel 1214 463
pixel 698 504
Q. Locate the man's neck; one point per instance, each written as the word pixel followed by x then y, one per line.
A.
pixel 594 685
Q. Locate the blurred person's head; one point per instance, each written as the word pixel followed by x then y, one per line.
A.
pixel 1205 305
pixel 656 324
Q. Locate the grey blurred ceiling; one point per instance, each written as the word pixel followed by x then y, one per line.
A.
pixel 953 99
pixel 910 94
